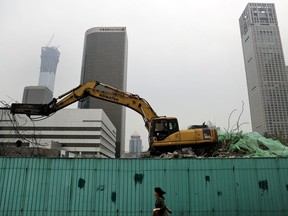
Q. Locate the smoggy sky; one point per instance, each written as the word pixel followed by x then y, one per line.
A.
pixel 185 58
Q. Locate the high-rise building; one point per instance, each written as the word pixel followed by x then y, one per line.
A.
pixel 135 145
pixel 105 60
pixel 266 75
pixel 49 61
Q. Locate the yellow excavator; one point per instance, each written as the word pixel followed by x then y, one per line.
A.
pixel 164 133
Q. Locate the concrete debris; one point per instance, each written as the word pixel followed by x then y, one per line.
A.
pixel 230 145
pixel 183 153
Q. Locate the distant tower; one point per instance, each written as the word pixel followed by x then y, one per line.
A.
pixel 135 145
pixel 105 60
pixel 49 62
pixel 43 93
pixel 266 75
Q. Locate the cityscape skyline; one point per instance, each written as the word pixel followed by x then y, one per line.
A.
pixel 184 68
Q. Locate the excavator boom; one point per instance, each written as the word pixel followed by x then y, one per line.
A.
pixel 163 131
pixel 108 93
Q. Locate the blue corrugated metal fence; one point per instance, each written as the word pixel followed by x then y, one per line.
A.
pixel 70 187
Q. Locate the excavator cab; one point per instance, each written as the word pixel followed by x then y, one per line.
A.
pixel 163 127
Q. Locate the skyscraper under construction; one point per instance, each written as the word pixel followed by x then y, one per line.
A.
pixel 43 93
pixel 49 61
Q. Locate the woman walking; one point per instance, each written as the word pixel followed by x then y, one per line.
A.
pixel 160 206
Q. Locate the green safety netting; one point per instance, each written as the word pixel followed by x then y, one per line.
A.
pixel 252 144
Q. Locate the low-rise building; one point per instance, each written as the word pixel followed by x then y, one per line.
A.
pixel 77 132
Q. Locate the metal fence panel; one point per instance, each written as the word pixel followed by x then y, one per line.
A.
pixel 74 187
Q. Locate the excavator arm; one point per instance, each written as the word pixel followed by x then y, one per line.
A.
pixel 94 89
pixel 163 131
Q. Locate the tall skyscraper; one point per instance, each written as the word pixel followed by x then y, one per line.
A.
pixel 49 61
pixel 135 145
pixel 105 60
pixel 266 75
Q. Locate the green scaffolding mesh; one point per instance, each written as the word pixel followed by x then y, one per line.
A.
pixel 252 144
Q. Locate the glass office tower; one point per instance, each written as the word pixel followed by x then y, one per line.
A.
pixel 265 69
pixel 105 60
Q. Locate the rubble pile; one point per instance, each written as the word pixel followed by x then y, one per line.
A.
pixel 183 153
pixel 251 144
pixel 230 145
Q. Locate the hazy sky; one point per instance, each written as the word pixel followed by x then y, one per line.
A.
pixel 184 57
